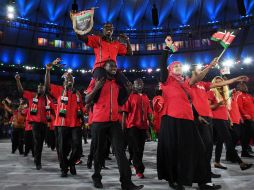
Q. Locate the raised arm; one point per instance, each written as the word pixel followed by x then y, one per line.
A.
pixel 127 41
pixel 47 75
pixel 19 85
pixel 202 74
pixel 164 59
pixel 230 81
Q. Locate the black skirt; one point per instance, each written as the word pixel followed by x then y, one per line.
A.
pixel 181 152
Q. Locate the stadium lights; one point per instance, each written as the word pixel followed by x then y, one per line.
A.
pixel 186 68
pixel 149 70
pixel 228 63
pixel 69 70
pixel 247 60
pixel 10 13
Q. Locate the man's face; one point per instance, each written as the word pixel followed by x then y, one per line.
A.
pixel 242 87
pixel 69 81
pixel 110 67
pixel 108 30
pixel 40 89
pixel 138 85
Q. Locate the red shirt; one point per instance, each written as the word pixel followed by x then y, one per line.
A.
pixel 220 112
pixel 158 103
pixel 40 117
pixel 246 105
pixel 137 108
pixel 176 101
pixel 106 108
pixel 234 109
pixel 73 106
pixel 104 50
pixel 200 98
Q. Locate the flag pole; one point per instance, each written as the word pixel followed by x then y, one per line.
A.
pixel 222 53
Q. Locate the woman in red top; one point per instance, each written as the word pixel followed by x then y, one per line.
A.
pixel 219 102
pixel 181 154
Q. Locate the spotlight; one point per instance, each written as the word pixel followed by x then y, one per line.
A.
pixel 228 63
pixel 149 70
pixel 10 9
pixel 158 70
pixel 247 60
pixel 82 71
pixel 10 16
pixel 69 70
pixel 186 68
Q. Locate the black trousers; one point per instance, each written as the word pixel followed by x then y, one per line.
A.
pixel 121 79
pixel 68 140
pixel 39 133
pixel 85 134
pixel 51 141
pixel 247 131
pixel 235 132
pixel 136 142
pixel 28 139
pixel 101 131
pixel 18 140
pixel 224 136
pixel 206 133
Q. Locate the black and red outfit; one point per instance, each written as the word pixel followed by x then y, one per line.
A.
pixel 180 153
pixel 246 107
pixel 68 123
pixel 106 125
pixel 138 110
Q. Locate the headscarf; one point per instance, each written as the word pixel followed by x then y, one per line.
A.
pixel 171 73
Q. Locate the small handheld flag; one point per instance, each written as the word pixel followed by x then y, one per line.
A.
pixel 225 38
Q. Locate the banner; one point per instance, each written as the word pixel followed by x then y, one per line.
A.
pixel 83 21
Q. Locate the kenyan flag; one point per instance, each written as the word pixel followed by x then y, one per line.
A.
pixel 224 37
pixel 174 47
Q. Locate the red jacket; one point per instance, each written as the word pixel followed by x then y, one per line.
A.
pixel 176 101
pixel 40 117
pixel 106 108
pixel 200 98
pixel 158 103
pixel 73 107
pixel 246 105
pixel 104 50
pixel 137 108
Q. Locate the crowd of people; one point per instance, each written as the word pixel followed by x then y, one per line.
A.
pixel 187 115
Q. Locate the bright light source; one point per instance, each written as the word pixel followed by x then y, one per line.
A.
pixel 69 70
pixel 247 60
pixel 149 70
pixel 82 71
pixel 186 68
pixel 199 66
pixel 10 9
pixel 10 16
pixel 158 70
pixel 228 63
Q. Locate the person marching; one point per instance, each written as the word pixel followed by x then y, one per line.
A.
pixel 36 117
pixel 105 124
pixel 67 120
pixel 181 156
pixel 219 102
pixel 246 107
pixel 136 115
